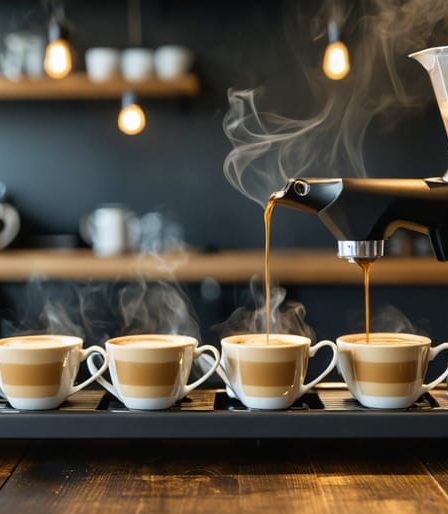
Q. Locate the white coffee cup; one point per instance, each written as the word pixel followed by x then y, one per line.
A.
pixel 388 372
pixel 137 64
pixel 150 371
pixel 172 61
pixel 38 372
pixel 112 230
pixel 102 63
pixel 270 376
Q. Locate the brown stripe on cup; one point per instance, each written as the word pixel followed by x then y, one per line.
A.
pixel 19 391
pixel 386 372
pixel 147 374
pixel 265 374
pixel 31 374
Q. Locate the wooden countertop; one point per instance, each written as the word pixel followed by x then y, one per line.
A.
pixel 231 266
pixel 120 477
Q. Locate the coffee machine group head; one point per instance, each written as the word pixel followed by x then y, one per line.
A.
pixel 362 213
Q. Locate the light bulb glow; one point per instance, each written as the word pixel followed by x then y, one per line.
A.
pixel 336 64
pixel 132 120
pixel 58 59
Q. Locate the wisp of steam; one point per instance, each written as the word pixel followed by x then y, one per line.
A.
pixel 97 312
pixel 287 317
pixel 268 149
pixel 391 319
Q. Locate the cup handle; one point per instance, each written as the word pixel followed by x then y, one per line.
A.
pixel 205 348
pixel 2 393
pixel 313 350
pixel 88 353
pixel 100 379
pixel 433 352
pixel 220 371
pixel 87 229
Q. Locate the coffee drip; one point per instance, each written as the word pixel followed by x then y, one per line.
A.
pixel 267 263
pixel 366 265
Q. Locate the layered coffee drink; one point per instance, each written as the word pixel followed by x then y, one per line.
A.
pixel 269 376
pixel 388 372
pixel 151 371
pixel 148 367
pixel 38 372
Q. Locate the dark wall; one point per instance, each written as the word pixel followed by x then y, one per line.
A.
pixel 61 159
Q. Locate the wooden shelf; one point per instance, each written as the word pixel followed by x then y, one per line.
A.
pixel 77 86
pixel 288 266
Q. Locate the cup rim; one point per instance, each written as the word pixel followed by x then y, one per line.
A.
pixel 65 342
pixel 177 340
pixel 293 339
pixel 416 339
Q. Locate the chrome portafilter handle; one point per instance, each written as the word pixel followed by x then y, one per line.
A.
pixel 352 250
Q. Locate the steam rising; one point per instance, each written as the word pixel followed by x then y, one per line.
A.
pixel 287 317
pixel 391 319
pixel 269 148
pixel 97 312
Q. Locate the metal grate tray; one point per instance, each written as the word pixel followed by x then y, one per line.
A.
pixel 327 412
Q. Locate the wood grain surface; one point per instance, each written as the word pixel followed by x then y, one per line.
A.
pixel 230 266
pixel 222 477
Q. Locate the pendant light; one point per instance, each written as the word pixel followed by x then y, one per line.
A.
pixel 58 61
pixel 132 118
pixel 336 63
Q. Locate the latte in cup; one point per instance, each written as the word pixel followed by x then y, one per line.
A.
pixel 38 372
pixel 388 372
pixel 150 371
pixel 269 375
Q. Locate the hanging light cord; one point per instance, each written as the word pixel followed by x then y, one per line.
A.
pixel 134 23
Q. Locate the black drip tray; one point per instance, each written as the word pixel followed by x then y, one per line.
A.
pixel 327 412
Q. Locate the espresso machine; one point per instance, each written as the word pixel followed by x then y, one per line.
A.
pixel 362 213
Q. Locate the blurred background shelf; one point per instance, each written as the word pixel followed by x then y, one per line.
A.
pixel 78 87
pixel 230 266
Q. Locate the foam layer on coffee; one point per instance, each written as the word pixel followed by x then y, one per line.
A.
pixel 153 341
pixel 259 342
pixel 35 344
pixel 383 339
pixel 153 344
